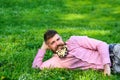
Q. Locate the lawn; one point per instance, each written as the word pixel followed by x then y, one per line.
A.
pixel 23 22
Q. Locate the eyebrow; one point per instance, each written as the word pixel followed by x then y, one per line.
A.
pixel 52 42
pixel 55 40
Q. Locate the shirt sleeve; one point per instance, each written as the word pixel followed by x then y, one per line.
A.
pixel 38 59
pixel 93 44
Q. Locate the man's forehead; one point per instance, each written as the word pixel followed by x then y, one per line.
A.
pixel 56 36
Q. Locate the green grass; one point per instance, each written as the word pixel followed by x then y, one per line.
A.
pixel 23 22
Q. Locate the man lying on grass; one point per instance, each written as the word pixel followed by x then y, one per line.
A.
pixel 78 52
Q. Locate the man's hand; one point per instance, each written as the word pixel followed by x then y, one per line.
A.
pixel 107 70
pixel 44 46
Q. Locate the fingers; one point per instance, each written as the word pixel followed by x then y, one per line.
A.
pixel 44 46
pixel 107 72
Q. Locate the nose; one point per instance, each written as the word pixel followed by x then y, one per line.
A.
pixel 57 43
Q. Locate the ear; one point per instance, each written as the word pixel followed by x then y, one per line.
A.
pixel 47 46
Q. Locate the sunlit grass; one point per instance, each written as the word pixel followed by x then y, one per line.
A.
pixel 23 22
pixel 73 16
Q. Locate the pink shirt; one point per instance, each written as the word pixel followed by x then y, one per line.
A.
pixel 83 53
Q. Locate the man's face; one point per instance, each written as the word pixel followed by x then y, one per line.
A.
pixel 55 43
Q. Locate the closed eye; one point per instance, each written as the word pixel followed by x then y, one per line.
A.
pixel 58 39
pixel 52 42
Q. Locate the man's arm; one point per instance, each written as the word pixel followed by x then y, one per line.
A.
pixel 39 57
pixel 93 44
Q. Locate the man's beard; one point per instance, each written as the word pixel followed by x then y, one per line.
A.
pixel 61 50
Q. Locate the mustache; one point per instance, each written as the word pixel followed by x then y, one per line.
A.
pixel 59 46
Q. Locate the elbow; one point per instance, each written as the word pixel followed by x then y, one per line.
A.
pixel 103 45
pixel 37 67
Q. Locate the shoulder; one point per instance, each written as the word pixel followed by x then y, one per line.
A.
pixel 75 38
pixel 78 37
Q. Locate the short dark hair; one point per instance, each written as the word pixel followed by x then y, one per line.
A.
pixel 49 34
